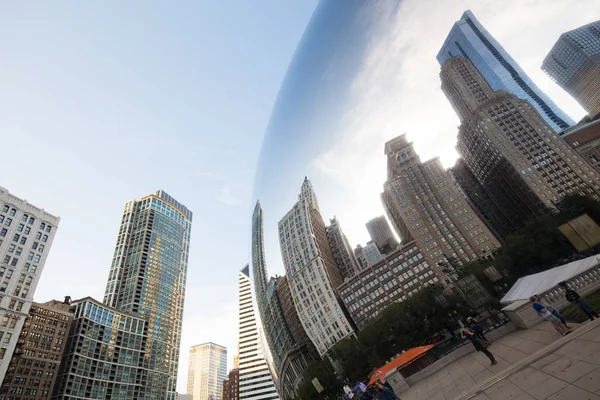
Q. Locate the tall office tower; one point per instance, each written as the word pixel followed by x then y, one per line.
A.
pixel 341 249
pixel 26 235
pixel 207 369
pixel 231 386
pixel 469 39
pixel 482 202
pixel 381 234
pixel 256 380
pixel 105 355
pixel 524 164
pixel 371 253
pixel 400 275
pixel 312 274
pixel 395 217
pixel 276 332
pixel 307 192
pixel 574 63
pixel 34 365
pixel 585 138
pixel 297 358
pixel 147 278
pixel 359 253
pixel 438 216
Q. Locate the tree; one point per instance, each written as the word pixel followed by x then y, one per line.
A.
pixel 323 371
pixel 352 355
pixel 572 206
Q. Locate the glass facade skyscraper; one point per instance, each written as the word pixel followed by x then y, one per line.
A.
pixel 147 279
pixel 574 64
pixel 469 39
pixel 277 334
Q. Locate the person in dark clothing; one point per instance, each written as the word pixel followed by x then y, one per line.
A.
pixel 472 323
pixel 479 344
pixel 573 297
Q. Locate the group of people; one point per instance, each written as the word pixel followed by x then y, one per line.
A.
pixel 380 390
pixel 553 316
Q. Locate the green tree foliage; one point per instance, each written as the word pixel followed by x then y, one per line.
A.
pixel 323 371
pixel 573 206
pixel 536 247
pixel 353 357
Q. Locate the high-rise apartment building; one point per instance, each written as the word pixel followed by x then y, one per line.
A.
pixel 483 202
pixel 432 207
pixel 147 278
pixel 526 167
pixel 381 234
pixel 207 369
pixel 231 386
pixel 256 380
pixel 574 64
pixel 26 235
pixel 105 355
pixel 469 39
pixel 312 273
pixel 276 332
pixel 303 352
pixel 400 275
pixel 34 365
pixel 371 254
pixel 585 139
pixel 395 217
pixel 341 249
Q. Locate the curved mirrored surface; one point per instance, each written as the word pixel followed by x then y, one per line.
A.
pixel 339 185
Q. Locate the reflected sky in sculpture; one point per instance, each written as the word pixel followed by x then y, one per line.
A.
pixel 366 72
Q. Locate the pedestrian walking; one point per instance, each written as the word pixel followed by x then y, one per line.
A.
pixel 472 323
pixel 479 344
pixel 384 393
pixel 545 313
pixel 538 304
pixel 381 377
pixel 574 297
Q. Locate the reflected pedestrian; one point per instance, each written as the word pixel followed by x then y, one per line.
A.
pixel 381 377
pixel 574 297
pixel 479 344
pixel 545 313
pixel 472 323
pixel 538 304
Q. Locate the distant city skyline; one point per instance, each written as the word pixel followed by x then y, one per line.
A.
pixel 111 101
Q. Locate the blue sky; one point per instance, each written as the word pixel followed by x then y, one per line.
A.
pixel 109 101
pixel 103 102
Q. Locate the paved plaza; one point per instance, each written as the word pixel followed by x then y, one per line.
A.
pixel 535 363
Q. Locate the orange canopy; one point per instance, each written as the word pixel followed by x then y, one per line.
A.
pixel 402 360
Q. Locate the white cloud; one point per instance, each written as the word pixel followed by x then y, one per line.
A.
pixel 226 197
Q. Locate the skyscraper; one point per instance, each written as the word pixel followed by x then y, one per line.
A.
pixel 43 337
pixel 371 253
pixel 341 249
pixel 256 380
pixel 312 273
pixel 277 334
pixel 105 355
pixel 574 63
pixel 381 234
pixel 526 167
pixel 147 278
pixel 26 235
pixel 207 369
pixel 298 357
pixel 231 386
pixel 432 207
pixel 469 39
